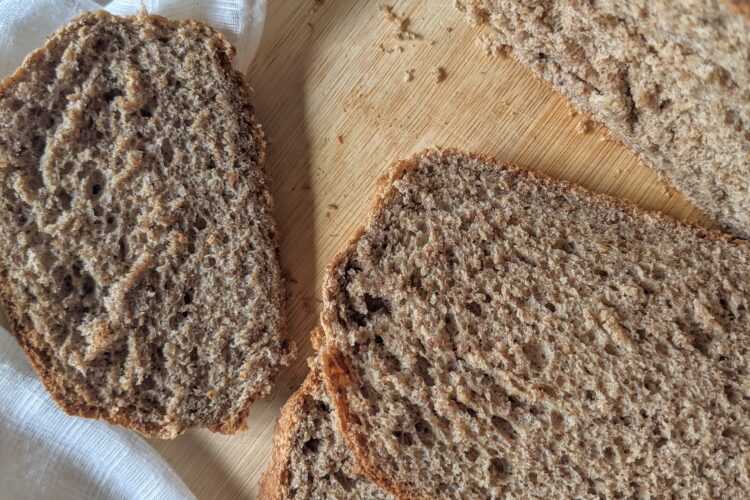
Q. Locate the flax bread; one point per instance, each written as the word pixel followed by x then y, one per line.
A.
pixel 670 78
pixel 139 266
pixel 492 332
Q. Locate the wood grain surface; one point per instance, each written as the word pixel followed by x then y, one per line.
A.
pixel 333 92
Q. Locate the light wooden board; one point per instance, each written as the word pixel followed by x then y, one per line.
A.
pixel 338 112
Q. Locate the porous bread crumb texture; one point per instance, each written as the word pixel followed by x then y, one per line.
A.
pixel 139 264
pixel 310 459
pixel 669 78
pixel 492 333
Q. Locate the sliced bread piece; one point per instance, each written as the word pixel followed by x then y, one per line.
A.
pixel 494 333
pixel 139 268
pixel 310 459
pixel 670 78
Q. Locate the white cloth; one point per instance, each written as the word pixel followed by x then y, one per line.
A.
pixel 25 24
pixel 45 453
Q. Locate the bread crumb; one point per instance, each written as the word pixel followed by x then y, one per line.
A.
pixel 317 4
pixel 438 74
pixel 584 126
pixel 487 44
pixel 401 24
pixel 340 138
pixel 333 206
pixel 408 75
pixel 390 50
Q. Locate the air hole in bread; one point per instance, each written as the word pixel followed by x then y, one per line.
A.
pixel 651 385
pixel 611 349
pixel 424 432
pixel 88 285
pixel 346 482
pixel 601 273
pixel 148 110
pixel 96 182
pixel 500 470
pixel 112 94
pixel 38 144
pixel 505 428
pixel 732 395
pixel 200 223
pixel 564 245
pixel 392 362
pixel 471 454
pixel 403 438
pixel 167 152
pixel 474 308
pixel 64 199
pixel 422 368
pixel 14 104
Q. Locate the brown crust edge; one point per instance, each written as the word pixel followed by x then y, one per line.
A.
pixel 274 483
pixel 336 374
pixel 232 423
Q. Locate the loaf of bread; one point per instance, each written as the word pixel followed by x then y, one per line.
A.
pixel 492 333
pixel 139 265
pixel 670 78
pixel 310 459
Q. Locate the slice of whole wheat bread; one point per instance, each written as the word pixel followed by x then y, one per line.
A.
pixel 310 458
pixel 139 268
pixel 495 333
pixel 670 78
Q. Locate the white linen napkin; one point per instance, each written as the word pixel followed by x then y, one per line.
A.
pixel 25 24
pixel 45 453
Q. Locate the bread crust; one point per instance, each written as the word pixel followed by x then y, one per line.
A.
pixel 21 328
pixel 274 484
pixel 336 373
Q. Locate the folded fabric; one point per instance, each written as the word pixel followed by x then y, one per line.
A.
pixel 45 453
pixel 25 24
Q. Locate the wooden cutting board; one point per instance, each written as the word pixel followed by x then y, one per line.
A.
pixel 341 98
pixel 331 89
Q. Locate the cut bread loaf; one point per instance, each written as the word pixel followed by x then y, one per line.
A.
pixel 495 333
pixel 670 78
pixel 310 459
pixel 139 265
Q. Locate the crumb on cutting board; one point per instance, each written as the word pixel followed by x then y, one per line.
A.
pixel 340 138
pixel 438 74
pixel 390 50
pixel 408 75
pixel 584 126
pixel 401 24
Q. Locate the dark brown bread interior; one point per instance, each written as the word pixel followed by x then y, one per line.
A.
pixel 139 264
pixel 494 333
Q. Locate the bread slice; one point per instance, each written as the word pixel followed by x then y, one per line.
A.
pixel 494 333
pixel 139 268
pixel 310 458
pixel 670 78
